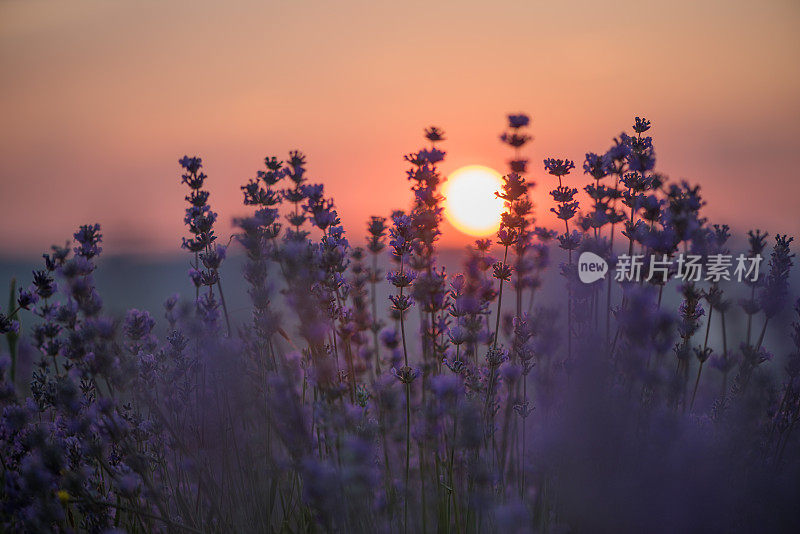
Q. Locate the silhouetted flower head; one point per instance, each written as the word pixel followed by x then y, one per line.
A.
pixel 558 167
pixel 377 230
pixel 566 211
pixel 58 257
pixel 775 292
pixel 401 302
pixel 641 161
pixel 405 374
pixel 757 241
pixel 399 279
pixel 434 134
pixel 431 155
pixel 617 154
pixel 502 271
pixel 191 164
pixel 212 259
pixel 519 166
pixel 641 125
pixel 88 238
pixel 401 234
pixel 44 284
pixel 595 166
pixel 514 186
pixel 138 324
pixel 570 241
pixel 7 324
pixel 495 356
pixel 27 298
pixel 518 120
pixel 515 139
pixel 296 170
pixel 563 194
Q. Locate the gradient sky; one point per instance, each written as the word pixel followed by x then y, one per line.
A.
pixel 98 100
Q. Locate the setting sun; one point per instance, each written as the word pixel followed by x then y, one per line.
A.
pixel 470 202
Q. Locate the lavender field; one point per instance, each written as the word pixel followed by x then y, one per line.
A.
pixel 298 380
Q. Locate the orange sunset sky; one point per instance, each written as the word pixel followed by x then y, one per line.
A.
pixel 98 100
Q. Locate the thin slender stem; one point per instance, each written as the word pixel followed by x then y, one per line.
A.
pixel 696 383
pixel 499 304
pixel 408 407
pixel 569 297
pixel 750 316
pixel 761 335
pixel 408 455
pixel 224 306
pixel 373 276
pixel 724 356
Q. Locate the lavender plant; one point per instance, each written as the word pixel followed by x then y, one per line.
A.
pixel 443 407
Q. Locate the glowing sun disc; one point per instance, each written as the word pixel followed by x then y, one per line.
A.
pixel 470 203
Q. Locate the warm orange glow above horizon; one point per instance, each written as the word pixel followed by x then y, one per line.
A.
pixel 96 113
pixel 470 203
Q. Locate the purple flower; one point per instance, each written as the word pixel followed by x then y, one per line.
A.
pixel 405 374
pixel 192 165
pixel 213 258
pixel 7 325
pixel 570 241
pixel 757 241
pixel 514 187
pixel 502 271
pixel 595 166
pixel 641 161
pixel 495 356
pixel 401 302
pixel 641 125
pixel 775 292
pixel 616 154
pixel 558 167
pixel 515 139
pixel 402 235
pixel 27 298
pixel 88 238
pixel 519 120
pixel 138 324
pixel 434 134
pixel 44 284
pixel 457 334
pixel 519 166
pixel 566 211
pixel 563 194
pixel 432 155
